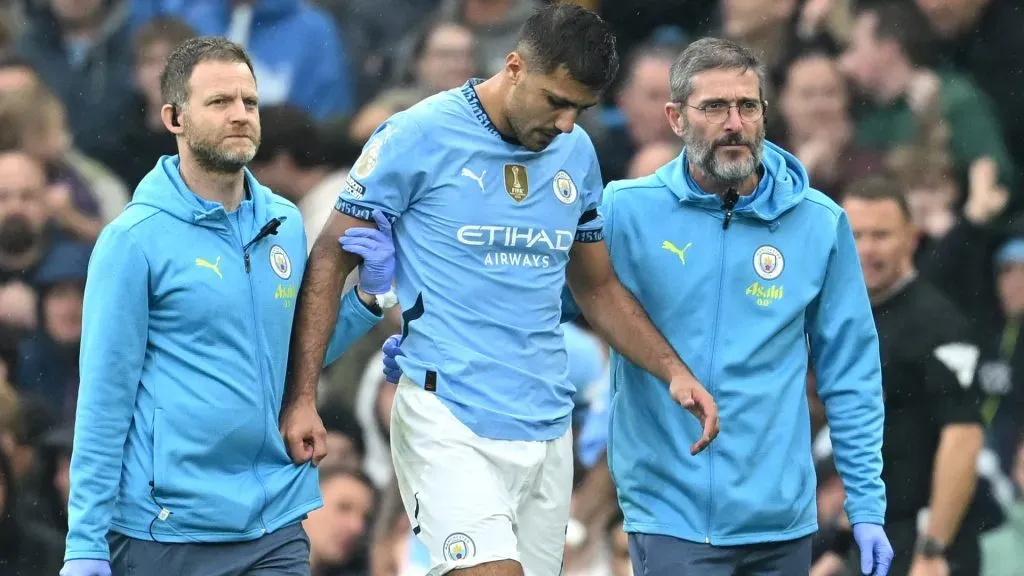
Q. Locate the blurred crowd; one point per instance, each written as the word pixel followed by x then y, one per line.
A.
pixel 927 92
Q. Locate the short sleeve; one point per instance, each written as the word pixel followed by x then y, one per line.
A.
pixel 591 224
pixel 388 173
pixel 949 374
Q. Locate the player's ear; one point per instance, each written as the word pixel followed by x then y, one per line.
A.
pixel 515 66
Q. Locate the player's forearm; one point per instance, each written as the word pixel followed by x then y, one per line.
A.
pixel 618 318
pixel 316 315
pixel 953 479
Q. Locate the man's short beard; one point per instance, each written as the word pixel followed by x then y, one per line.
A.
pixel 214 160
pixel 16 235
pixel 702 153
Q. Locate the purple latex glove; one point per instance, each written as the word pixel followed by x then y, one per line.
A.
pixel 378 251
pixel 875 550
pixel 391 351
pixel 85 568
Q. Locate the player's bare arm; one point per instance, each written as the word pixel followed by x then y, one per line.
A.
pixel 315 316
pixel 618 318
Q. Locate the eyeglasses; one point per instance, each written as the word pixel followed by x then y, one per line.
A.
pixel 718 112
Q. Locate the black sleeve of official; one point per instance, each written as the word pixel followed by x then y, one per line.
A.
pixel 950 373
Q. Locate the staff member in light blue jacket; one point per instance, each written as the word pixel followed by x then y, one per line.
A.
pixel 187 318
pixel 743 267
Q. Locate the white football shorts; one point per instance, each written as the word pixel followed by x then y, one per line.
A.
pixel 473 500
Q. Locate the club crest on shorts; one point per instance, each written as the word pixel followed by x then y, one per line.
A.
pixel 565 188
pixel 517 183
pixel 768 262
pixel 280 262
pixel 458 547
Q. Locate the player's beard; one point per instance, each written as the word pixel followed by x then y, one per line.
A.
pixel 212 157
pixel 702 153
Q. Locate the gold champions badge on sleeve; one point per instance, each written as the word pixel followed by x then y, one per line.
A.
pixel 517 184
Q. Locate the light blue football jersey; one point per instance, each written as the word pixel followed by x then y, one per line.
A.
pixel 483 229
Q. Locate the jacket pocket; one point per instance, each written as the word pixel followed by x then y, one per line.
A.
pixel 159 450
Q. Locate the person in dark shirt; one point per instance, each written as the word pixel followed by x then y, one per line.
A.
pixel 933 431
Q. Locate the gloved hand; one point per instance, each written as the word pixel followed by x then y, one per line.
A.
pixel 391 351
pixel 378 251
pixel 875 550
pixel 85 568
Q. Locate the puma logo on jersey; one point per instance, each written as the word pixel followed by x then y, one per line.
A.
pixel 478 179
pixel 680 253
pixel 202 263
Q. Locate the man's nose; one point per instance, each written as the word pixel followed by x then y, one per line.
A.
pixel 733 122
pixel 566 120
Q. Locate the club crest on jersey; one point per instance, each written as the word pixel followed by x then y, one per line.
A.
pixel 280 263
pixel 768 262
pixel 564 187
pixel 517 183
pixel 458 546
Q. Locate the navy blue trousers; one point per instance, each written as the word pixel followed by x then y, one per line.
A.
pixel 654 555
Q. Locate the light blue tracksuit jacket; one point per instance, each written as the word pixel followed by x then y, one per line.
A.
pixel 741 305
pixel 185 336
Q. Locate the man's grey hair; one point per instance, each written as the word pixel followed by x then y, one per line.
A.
pixel 712 54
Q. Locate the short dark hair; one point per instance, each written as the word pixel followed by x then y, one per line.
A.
pixel 290 130
pixel 905 24
pixel 712 54
pixel 878 189
pixel 571 36
pixel 180 64
pixel 338 418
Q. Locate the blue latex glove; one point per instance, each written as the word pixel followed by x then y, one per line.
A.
pixel 875 550
pixel 391 351
pixel 378 251
pixel 85 568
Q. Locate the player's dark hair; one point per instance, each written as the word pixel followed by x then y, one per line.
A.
pixel 878 189
pixel 174 80
pixel 712 54
pixel 571 36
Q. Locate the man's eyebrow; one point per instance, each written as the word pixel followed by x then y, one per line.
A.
pixel 563 101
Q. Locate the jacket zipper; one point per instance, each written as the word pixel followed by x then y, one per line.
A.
pixel 259 368
pixel 728 203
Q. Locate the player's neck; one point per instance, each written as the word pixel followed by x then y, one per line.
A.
pixel 719 187
pixel 492 96
pixel 226 189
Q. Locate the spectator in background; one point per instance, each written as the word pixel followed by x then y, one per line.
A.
pixel 82 194
pixel 890 58
pixel 145 139
pixel 639 119
pixel 25 238
pixel 494 23
pixel 346 446
pixel 291 162
pixel 651 157
pixel 338 532
pixel 766 28
pixel 48 359
pixel 983 38
pixel 443 58
pixel 81 48
pixel 816 124
pixel 296 49
pixel 1001 548
pixel 1002 362
pixel 26 548
pixel 17 74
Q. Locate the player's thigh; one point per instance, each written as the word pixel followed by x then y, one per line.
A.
pixel 454 491
pixel 544 512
